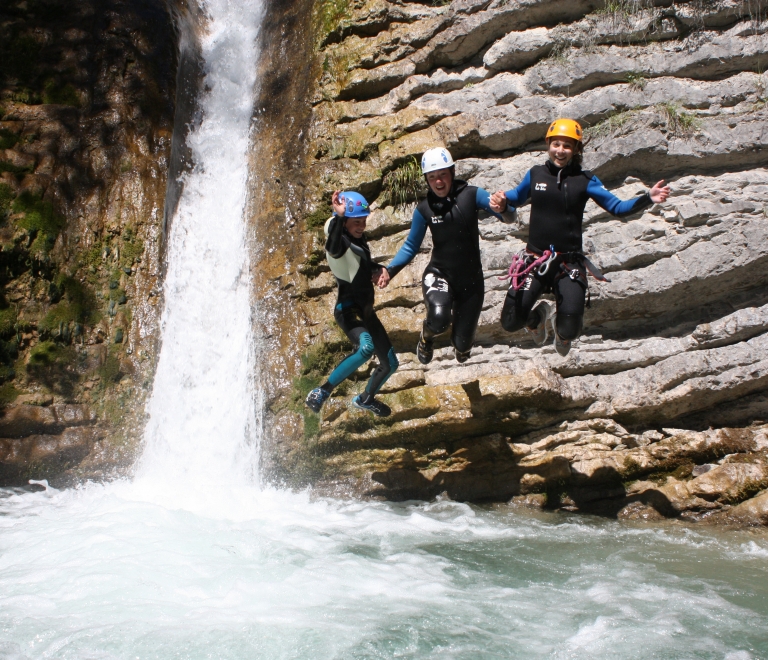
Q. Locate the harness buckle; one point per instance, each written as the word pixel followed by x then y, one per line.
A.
pixel 574 274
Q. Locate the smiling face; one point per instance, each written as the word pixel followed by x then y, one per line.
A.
pixel 440 181
pixel 562 150
pixel 355 226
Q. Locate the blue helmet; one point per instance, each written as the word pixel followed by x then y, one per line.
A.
pixel 357 206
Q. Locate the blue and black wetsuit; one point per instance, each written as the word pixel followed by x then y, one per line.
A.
pixel 350 262
pixel 452 283
pixel 558 198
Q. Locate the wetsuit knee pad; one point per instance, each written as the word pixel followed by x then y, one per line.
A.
pixel 462 343
pixel 513 322
pixel 438 318
pixel 569 326
pixel 365 349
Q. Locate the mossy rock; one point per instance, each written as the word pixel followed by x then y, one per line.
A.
pixel 54 366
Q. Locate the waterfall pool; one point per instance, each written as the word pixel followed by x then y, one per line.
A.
pixel 140 570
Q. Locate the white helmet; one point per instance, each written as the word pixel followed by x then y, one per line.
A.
pixel 438 158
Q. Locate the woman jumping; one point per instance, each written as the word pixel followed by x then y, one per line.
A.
pixel 553 259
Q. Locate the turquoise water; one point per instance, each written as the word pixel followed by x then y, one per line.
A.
pixel 137 571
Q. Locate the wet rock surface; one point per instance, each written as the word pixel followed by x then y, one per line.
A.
pixel 86 120
pixel 659 410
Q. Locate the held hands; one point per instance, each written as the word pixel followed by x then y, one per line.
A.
pixel 381 277
pixel 499 202
pixel 337 204
pixel 659 193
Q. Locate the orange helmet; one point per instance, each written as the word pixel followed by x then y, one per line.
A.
pixel 565 128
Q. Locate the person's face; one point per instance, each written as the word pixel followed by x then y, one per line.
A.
pixel 355 226
pixel 440 182
pixel 562 150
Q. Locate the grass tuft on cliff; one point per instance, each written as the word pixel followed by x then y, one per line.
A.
pixel 404 184
pixel 327 16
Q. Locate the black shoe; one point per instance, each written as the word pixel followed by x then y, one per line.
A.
pixel 562 347
pixel 316 398
pixel 424 350
pixel 376 407
pixel 461 356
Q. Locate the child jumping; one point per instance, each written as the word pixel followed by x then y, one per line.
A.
pixel 350 260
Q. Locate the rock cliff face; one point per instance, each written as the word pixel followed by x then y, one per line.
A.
pixel 659 409
pixel 86 118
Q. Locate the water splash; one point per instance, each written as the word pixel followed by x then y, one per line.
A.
pixel 203 415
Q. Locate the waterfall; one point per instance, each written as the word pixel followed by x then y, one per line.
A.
pixel 203 416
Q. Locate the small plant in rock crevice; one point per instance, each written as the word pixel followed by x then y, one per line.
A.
pixel 676 120
pixel 636 80
pixel 338 67
pixel 403 184
pixel 612 125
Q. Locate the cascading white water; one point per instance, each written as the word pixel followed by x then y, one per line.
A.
pixel 202 419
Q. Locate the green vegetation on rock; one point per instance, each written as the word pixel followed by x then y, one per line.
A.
pixel 403 184
pixel 678 121
pixel 327 16
pixel 51 365
pixel 39 218
pixel 60 94
pixel 317 218
pixel 8 139
pixel 6 197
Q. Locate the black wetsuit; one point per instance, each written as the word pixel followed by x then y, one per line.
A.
pixel 452 283
pixel 350 262
pixel 558 198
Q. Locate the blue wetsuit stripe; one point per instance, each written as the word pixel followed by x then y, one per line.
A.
pixel 519 195
pixel 411 246
pixel 353 362
pixel 483 201
pixel 607 200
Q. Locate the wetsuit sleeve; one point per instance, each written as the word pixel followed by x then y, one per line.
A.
pixel 335 244
pixel 483 201
pixel 607 200
pixel 411 246
pixel 520 194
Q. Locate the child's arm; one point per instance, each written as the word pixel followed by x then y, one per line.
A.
pixel 336 244
pixel 411 246
pixel 483 201
pixel 607 200
pixel 519 195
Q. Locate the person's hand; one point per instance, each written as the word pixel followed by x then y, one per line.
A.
pixel 659 193
pixel 338 205
pixel 499 202
pixel 381 279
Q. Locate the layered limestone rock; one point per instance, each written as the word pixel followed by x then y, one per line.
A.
pixel 659 408
pixel 86 117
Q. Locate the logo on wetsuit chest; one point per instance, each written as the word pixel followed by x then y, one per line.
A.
pixel 541 186
pixel 436 219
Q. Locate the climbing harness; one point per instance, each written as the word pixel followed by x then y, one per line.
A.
pixel 526 261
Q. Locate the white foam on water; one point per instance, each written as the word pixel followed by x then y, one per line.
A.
pixel 104 572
